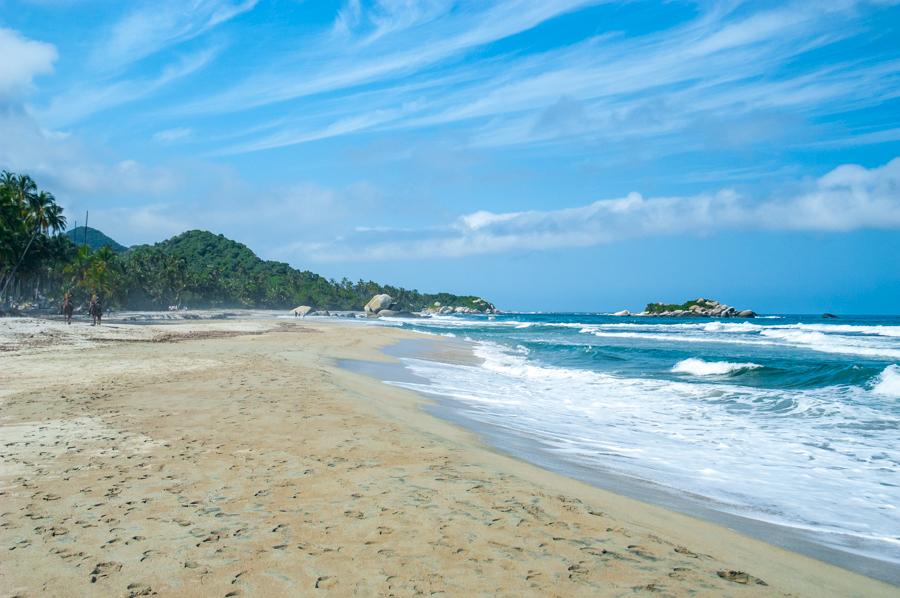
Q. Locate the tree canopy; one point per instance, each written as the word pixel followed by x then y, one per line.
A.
pixel 196 268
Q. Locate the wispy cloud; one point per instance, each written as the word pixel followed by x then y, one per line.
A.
pixel 91 98
pixel 145 30
pixel 723 64
pixel 149 28
pixel 325 66
pixel 172 135
pixel 23 60
pixel 849 197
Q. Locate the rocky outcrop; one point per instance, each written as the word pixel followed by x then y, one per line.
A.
pixel 302 310
pixel 479 306
pixel 622 314
pixel 378 303
pixel 698 308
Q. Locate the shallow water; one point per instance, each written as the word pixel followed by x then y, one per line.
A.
pixel 789 420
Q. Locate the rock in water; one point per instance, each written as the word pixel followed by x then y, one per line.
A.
pixel 378 303
pixel 828 315
pixel 623 313
pixel 704 308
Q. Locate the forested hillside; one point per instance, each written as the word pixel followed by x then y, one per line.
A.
pixel 93 238
pixel 199 268
pixel 194 269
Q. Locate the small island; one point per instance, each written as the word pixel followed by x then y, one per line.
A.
pixel 695 308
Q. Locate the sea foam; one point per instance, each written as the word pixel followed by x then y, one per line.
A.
pixel 888 382
pixel 698 367
pixel 817 476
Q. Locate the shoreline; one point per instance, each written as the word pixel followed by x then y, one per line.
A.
pixel 519 446
pixel 239 456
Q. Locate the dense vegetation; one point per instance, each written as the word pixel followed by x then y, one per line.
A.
pixel 93 238
pixel 32 259
pixel 195 269
pixel 657 308
pixel 199 268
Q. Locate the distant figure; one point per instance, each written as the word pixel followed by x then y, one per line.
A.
pixel 67 307
pixel 96 310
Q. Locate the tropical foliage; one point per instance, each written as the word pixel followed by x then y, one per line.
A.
pixel 199 268
pixel 196 268
pixel 30 254
pixel 658 308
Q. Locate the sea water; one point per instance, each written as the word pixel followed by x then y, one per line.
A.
pixel 791 420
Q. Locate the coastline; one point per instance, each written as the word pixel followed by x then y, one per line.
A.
pixel 523 447
pixel 239 456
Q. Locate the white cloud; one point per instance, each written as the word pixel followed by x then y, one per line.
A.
pixel 142 224
pixel 848 198
pixel 23 59
pixel 302 209
pixel 69 168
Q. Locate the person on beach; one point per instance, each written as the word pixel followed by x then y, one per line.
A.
pixel 96 310
pixel 67 307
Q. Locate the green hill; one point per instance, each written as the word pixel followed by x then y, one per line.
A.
pixel 94 239
pixel 201 269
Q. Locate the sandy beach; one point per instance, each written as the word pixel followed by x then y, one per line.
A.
pixel 235 458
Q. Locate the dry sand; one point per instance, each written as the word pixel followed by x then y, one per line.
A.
pixel 234 458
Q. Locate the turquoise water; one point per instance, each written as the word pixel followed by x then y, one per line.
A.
pixel 792 420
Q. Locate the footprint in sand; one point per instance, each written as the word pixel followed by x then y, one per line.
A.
pixel 325 582
pixel 104 569
pixel 641 552
pixel 740 577
pixel 138 589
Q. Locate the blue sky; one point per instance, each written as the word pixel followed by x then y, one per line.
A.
pixel 546 154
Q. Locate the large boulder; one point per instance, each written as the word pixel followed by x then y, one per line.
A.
pixel 378 303
pixel 622 314
pixel 302 310
pixel 747 313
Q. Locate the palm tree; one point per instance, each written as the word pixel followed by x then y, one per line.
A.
pixel 42 209
pixel 55 220
pixel 27 216
pixel 24 189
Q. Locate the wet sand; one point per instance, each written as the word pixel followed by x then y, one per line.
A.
pixel 234 458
